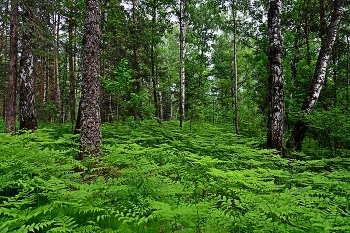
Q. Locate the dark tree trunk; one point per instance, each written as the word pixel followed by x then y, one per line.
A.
pixel 91 136
pixel 275 134
pixel 71 67
pixel 311 98
pixel 78 122
pixel 56 86
pixel 27 96
pixel 11 110
pixel 42 88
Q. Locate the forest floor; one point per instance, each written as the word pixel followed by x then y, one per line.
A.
pixel 163 179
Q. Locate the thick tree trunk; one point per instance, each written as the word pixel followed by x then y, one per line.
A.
pixel 91 136
pixel 11 110
pixel 27 96
pixel 311 98
pixel 182 61
pixel 275 134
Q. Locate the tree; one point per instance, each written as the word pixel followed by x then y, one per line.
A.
pixel 27 96
pixel 11 109
pixel 71 55
pixel 91 136
pixel 312 96
pixel 235 75
pixel 275 134
pixel 182 60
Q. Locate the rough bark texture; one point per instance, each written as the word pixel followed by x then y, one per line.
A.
pixel 91 137
pixel 311 98
pixel 275 134
pixel 12 83
pixel 182 62
pixel 27 96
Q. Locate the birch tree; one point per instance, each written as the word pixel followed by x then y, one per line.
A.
pixel 312 96
pixel 28 119
pixel 275 134
pixel 182 60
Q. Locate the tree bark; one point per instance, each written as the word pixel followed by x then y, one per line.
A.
pixel 136 56
pixel 182 61
pixel 71 66
pixel 56 87
pixel 27 96
pixel 91 136
pixel 11 110
pixel 275 134
pixel 311 98
pixel 235 76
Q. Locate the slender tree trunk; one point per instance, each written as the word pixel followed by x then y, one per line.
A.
pixel 136 61
pixel 27 96
pixel 182 61
pixel 160 101
pixel 153 72
pixel 11 109
pixel 235 76
pixel 56 87
pixel 275 135
pixel 71 49
pixel 42 87
pixel 347 72
pixel 311 98
pixel 91 136
pixel 78 123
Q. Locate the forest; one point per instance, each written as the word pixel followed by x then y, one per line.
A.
pixel 168 116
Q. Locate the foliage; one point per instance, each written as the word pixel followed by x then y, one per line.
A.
pixel 163 179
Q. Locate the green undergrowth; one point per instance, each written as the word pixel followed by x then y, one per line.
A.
pixel 163 179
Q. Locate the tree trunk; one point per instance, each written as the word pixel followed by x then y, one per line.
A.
pixel 347 72
pixel 11 110
pixel 275 134
pixel 182 61
pixel 136 59
pixel 153 72
pixel 56 87
pixel 311 98
pixel 71 66
pixel 42 88
pixel 91 136
pixel 160 101
pixel 27 96
pixel 235 76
